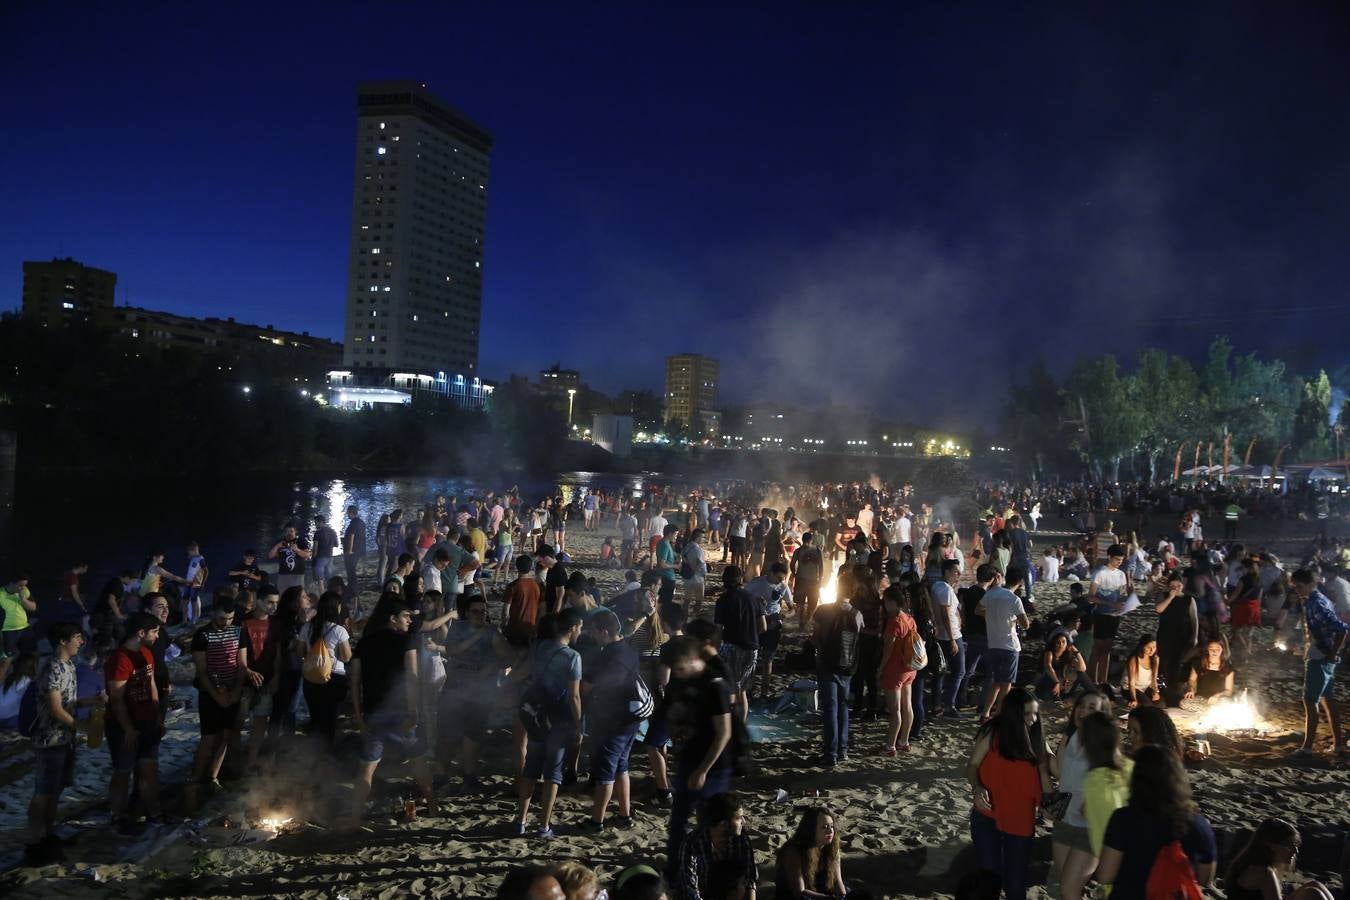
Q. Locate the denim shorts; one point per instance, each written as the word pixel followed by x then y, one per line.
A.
pixel 610 751
pixel 741 662
pixel 1318 677
pixel 124 758
pixel 385 733
pixel 544 758
pixel 1002 665
pixel 55 770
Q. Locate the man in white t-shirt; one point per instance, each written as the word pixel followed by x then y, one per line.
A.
pixel 1108 591
pixel 1003 614
pixel 431 572
pixel 866 519
pixel 947 623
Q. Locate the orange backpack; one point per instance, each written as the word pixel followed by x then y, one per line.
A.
pixel 1172 877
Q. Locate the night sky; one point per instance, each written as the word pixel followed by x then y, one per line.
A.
pixel 895 206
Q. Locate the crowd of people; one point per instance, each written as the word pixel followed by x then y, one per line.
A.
pixel 895 614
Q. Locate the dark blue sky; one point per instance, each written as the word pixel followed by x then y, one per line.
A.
pixel 880 204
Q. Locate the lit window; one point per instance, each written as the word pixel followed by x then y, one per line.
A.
pixel 387 289
pixel 67 305
pixel 374 251
pixel 374 288
pixel 477 264
pixel 381 151
pixel 414 317
pixel 395 137
pixel 382 126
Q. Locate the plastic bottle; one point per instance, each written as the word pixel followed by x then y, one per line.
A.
pixel 95 735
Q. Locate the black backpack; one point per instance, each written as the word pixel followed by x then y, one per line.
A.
pixel 809 563
pixel 839 650
pixel 537 709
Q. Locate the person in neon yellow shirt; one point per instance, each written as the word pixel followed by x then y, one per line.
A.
pixel 16 603
pixel 1106 787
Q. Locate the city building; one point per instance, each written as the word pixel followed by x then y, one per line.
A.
pixel 65 292
pixel 236 340
pixel 556 382
pixel 691 391
pixel 613 433
pixel 466 392
pixel 419 210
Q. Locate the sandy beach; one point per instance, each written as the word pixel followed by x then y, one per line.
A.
pixel 903 821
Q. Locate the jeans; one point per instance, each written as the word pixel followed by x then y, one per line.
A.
pixel 353 589
pixel 956 673
pixel 323 570
pixel 1006 855
pixel 682 803
pixel 865 680
pixel 323 701
pixel 286 705
pixel 977 646
pixel 832 691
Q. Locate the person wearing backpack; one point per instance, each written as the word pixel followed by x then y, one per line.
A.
pixel 835 630
pixel 1159 846
pixel 693 571
pixel 47 717
pixel 553 702
pixel 902 655
pixel 616 702
pixel 327 650
pixel 743 622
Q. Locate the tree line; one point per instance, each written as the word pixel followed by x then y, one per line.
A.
pixel 1130 424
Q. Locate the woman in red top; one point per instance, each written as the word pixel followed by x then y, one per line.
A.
pixel 894 673
pixel 1007 771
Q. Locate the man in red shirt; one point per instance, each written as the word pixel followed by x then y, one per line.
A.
pixel 522 604
pixel 133 725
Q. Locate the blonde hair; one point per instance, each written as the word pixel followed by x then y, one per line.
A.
pixel 575 879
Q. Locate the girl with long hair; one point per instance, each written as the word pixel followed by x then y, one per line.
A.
pixel 1151 726
pixel 1071 847
pixel 1061 668
pixel 932 560
pixel 1160 812
pixel 1106 786
pixel 324 699
pixel 808 861
pixel 1141 673
pixel 921 609
pixel 292 613
pixel 1259 869
pixel 1211 675
pixel 1008 770
pixel 894 671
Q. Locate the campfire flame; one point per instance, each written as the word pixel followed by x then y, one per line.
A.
pixel 1232 715
pixel 274 823
pixel 829 591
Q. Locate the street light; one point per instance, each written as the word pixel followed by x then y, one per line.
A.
pixel 571 394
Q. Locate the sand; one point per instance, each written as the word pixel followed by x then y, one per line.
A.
pixel 903 820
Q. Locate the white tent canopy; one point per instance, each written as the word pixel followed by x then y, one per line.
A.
pixel 1325 475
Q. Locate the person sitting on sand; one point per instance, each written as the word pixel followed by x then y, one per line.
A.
pixel 1071 847
pixel 1140 684
pixel 1008 770
pixel 808 862
pixel 1062 668
pixel 1160 811
pixel 1259 869
pixel 717 861
pixel 1211 674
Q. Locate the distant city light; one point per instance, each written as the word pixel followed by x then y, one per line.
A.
pixel 247 389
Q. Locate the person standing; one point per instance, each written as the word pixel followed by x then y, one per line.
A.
pixel 16 602
pixel 697 713
pixel 947 619
pixel 220 657
pixel 53 741
pixel 1326 635
pixel 555 681
pixel 667 564
pixel 325 544
pixel 609 690
pixel 290 552
pixel 973 627
pixel 808 565
pixel 1106 595
pixel 1003 614
pixel 135 725
pixel 694 572
pixel 1178 634
pixel 353 553
pixel 742 622
pixel 836 628
pixel 384 685
pixel 193 582
pixel 1021 554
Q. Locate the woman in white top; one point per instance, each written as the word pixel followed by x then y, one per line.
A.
pixel 1050 566
pixel 1141 673
pixel 1071 847
pixel 695 559
pixel 324 699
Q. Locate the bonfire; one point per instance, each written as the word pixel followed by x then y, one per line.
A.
pixel 1232 715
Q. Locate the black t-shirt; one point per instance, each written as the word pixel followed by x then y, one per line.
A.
pixel 972 625
pixel 555 578
pixel 355 535
pixel 738 614
pixel 690 707
pixel 612 673
pixel 871 610
pixel 288 561
pixel 325 542
pixel 248 584
pixel 114 589
pixel 158 650
pixel 381 655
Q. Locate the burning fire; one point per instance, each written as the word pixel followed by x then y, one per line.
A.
pixel 829 592
pixel 1232 715
pixel 275 823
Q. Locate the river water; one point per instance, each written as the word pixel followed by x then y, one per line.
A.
pixel 115 524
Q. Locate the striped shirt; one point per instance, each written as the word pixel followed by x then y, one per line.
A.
pixel 221 646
